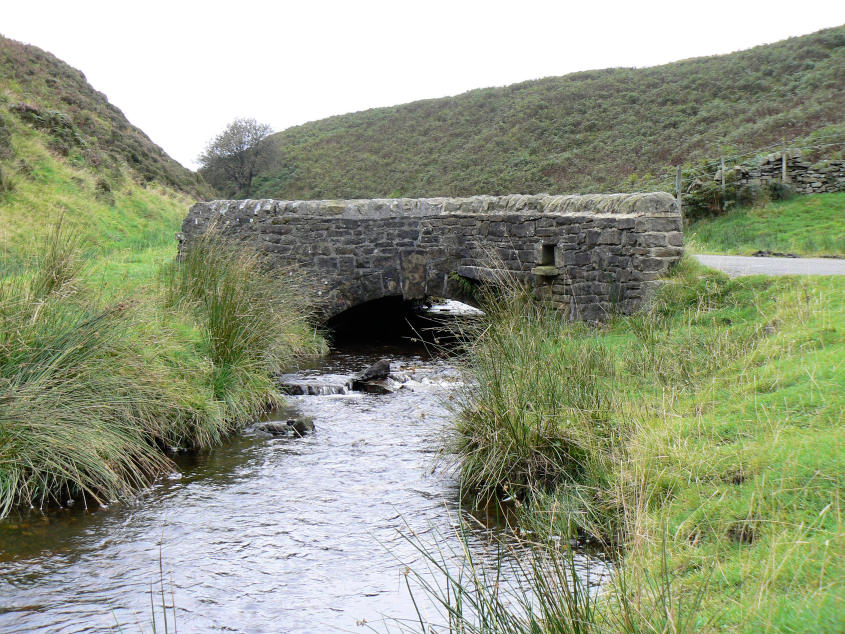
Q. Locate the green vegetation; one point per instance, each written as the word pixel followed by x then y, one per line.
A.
pixel 93 389
pixel 618 129
pixel 521 429
pixel 252 318
pixel 112 353
pixel 701 440
pixel 804 225
pixel 80 124
pixel 233 158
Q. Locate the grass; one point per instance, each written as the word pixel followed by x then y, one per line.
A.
pixel 252 317
pixel 529 588
pixel 522 431
pixel 535 587
pixel 50 188
pixel 700 439
pixel 112 352
pixel 93 391
pixel 804 225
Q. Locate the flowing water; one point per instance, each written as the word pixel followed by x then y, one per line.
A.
pixel 264 534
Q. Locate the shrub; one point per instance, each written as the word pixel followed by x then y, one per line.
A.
pixel 64 134
pixel 749 195
pixel 103 191
pixel 780 191
pixel 705 197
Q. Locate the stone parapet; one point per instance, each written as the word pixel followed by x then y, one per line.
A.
pixel 588 255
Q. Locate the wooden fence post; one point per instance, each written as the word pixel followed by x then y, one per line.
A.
pixel 678 196
pixel 784 177
pixel 722 159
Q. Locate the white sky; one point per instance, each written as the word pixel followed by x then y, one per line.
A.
pixel 181 70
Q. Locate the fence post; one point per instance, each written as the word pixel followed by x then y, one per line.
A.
pixel 784 177
pixel 722 159
pixel 678 197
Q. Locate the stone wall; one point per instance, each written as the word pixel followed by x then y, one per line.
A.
pixel 588 255
pixel 802 176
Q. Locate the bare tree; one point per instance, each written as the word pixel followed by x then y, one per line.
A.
pixel 233 158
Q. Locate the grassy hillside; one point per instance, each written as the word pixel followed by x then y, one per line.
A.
pixel 611 129
pixel 81 124
pixel 804 225
pixel 110 351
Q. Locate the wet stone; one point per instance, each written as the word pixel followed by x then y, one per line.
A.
pixel 290 428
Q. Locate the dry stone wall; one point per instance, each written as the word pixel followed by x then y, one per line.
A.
pixel 801 175
pixel 588 255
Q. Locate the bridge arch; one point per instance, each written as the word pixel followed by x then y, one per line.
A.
pixel 587 254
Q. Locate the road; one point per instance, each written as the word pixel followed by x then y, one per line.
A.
pixel 736 265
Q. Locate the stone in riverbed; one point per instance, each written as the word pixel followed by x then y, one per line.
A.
pixel 293 427
pixel 379 370
pixel 371 387
pixel 370 379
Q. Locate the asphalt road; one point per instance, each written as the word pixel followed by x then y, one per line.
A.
pixel 736 265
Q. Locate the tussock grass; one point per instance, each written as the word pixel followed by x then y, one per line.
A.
pixel 707 439
pixel 79 413
pixel 521 430
pixel 251 316
pixel 94 390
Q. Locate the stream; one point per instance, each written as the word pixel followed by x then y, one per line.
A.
pixel 264 534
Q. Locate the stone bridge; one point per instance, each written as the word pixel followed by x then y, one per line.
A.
pixel 588 255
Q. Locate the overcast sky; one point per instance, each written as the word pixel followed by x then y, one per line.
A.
pixel 181 70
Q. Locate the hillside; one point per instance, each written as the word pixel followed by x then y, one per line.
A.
pixel 106 354
pixel 44 92
pixel 619 128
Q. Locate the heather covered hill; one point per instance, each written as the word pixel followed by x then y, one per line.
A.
pixel 618 128
pixel 83 126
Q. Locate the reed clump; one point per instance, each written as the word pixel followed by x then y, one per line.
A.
pixel 253 318
pixel 95 391
pixel 79 415
pixel 539 411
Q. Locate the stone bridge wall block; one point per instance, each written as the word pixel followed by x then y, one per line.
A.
pixel 588 255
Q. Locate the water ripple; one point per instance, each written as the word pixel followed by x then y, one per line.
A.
pixel 261 535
